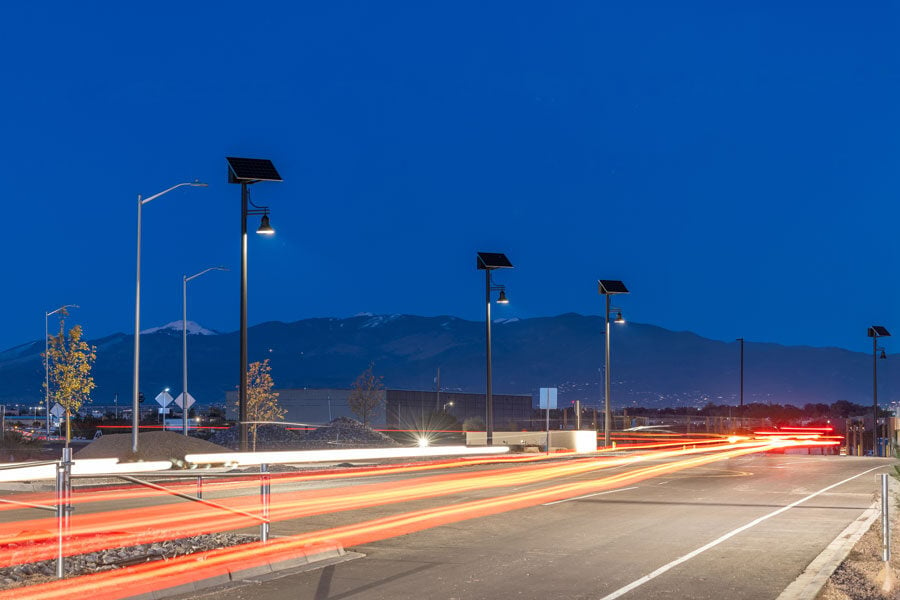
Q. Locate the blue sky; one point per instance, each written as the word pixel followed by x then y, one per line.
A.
pixel 736 166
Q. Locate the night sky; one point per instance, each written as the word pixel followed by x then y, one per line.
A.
pixel 736 166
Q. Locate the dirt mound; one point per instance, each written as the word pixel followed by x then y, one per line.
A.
pixel 155 445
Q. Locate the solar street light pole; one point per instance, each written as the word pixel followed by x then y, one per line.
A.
pixel 874 396
pixel 607 412
pixel 488 261
pixel 875 332
pixel 247 171
pixel 135 396
pixel 608 287
pixel 489 398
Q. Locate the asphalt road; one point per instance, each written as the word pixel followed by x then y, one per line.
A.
pixel 599 546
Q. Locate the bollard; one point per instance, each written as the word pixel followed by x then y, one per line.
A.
pixel 885 520
pixel 199 486
pixel 264 491
pixel 63 496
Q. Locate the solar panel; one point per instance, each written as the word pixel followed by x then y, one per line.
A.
pixel 611 286
pixel 251 170
pixel 493 260
pixel 878 331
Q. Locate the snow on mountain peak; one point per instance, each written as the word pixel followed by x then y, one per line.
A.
pixel 192 328
pixel 378 320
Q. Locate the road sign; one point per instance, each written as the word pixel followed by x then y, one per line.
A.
pixel 164 398
pixel 58 410
pixel 165 411
pixel 548 398
pixel 180 399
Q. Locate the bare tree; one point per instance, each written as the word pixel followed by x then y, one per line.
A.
pixel 367 394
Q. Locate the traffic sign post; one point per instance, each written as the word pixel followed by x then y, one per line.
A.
pixel 548 400
pixel 180 401
pixel 164 398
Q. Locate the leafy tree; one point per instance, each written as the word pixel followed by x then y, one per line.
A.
pixel 262 401
pixel 367 394
pixel 70 360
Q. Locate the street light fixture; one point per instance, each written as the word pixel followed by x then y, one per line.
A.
pixel 247 171
pixel 487 262
pixel 875 332
pixel 607 288
pixel 47 359
pixel 135 395
pixel 185 402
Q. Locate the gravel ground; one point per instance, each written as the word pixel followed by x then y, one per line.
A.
pixel 114 558
pixel 861 576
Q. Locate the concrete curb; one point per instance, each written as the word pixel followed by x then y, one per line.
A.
pixel 269 570
pixel 808 585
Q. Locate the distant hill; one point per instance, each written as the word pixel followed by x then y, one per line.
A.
pixel 651 366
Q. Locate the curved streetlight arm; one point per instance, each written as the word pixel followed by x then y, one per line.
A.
pixel 61 308
pixel 195 183
pixel 203 272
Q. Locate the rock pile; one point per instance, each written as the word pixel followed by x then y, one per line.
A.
pixel 113 558
pixel 339 433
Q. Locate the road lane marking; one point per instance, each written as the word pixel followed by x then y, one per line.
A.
pixel 639 582
pixel 588 496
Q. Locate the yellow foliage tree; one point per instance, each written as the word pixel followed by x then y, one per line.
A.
pixel 70 360
pixel 262 401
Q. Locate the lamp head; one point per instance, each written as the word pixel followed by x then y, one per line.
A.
pixel 502 299
pixel 883 355
pixel 264 227
pixel 619 318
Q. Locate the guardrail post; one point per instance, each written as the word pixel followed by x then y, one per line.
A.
pixel 199 486
pixel 264 492
pixel 885 520
pixel 63 495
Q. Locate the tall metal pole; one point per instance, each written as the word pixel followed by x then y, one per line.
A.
pixel 184 377
pixel 489 398
pixel 242 390
pixel 874 396
pixel 135 386
pixel 607 416
pixel 47 370
pixel 741 411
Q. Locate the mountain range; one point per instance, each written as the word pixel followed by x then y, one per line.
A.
pixel 651 366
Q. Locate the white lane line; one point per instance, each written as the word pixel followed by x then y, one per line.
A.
pixel 588 496
pixel 639 582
